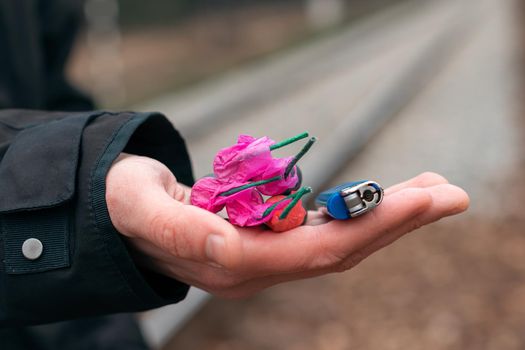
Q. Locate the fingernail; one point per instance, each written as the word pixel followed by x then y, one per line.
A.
pixel 215 245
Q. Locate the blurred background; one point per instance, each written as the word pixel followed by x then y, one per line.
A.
pixel 391 88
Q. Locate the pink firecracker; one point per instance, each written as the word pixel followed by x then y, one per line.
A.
pixel 243 173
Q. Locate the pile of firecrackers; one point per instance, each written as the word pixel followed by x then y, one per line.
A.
pixel 254 186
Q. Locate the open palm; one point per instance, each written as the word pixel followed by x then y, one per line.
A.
pixel 151 210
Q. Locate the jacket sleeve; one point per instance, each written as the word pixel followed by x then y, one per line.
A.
pixel 60 256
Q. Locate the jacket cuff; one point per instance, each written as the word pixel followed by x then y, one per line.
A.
pixel 85 268
pixel 151 135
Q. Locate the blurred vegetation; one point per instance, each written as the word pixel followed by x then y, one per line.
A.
pixel 137 13
pixel 166 45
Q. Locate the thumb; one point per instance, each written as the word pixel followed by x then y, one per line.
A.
pixel 189 232
pixel 149 212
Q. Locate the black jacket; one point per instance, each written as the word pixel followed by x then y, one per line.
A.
pixel 52 186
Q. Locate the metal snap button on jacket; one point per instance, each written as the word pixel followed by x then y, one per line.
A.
pixel 32 248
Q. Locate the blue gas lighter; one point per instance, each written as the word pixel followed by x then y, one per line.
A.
pixel 350 199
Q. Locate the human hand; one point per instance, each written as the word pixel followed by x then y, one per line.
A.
pixel 149 207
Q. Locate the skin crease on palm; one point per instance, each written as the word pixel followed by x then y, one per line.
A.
pixel 167 235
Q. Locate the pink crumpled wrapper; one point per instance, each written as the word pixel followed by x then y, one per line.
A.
pixel 205 193
pixel 250 159
pixel 247 161
pixel 248 208
pixel 277 167
pixel 244 160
